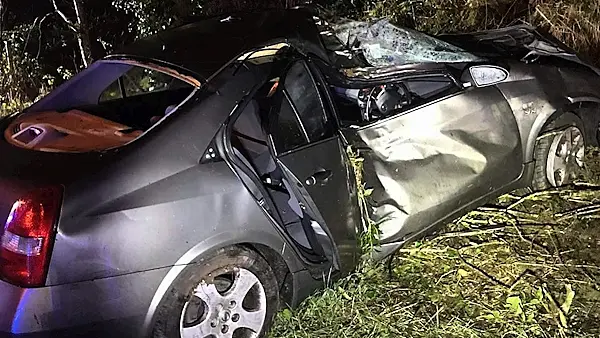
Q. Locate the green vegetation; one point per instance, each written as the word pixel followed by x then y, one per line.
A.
pixel 524 266
pixel 369 238
pixel 44 42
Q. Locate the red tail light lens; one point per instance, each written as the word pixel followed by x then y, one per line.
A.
pixel 26 240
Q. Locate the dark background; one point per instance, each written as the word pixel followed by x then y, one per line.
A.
pixel 45 42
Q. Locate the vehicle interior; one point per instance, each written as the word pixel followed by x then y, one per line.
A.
pixel 106 106
pixel 361 106
pixel 250 144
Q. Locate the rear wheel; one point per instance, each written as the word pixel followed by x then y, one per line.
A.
pixel 231 294
pixel 559 152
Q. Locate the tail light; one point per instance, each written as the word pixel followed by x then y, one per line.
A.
pixel 27 237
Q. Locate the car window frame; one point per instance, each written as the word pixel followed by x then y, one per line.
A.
pixel 452 89
pixel 458 90
pixel 330 124
pixel 325 115
pixel 286 96
pixel 174 74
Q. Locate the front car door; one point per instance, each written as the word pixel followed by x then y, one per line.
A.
pixel 312 156
pixel 440 156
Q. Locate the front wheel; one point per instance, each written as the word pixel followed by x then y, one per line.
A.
pixel 233 294
pixel 559 152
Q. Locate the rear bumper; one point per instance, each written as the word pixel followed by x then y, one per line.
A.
pixel 105 329
pixel 48 334
pixel 108 307
pixel 35 335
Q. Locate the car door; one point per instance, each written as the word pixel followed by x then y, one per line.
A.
pixel 439 156
pixel 312 156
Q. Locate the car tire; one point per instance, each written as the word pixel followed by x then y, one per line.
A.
pixel 207 298
pixel 562 138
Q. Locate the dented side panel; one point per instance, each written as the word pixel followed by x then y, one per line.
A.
pixel 425 164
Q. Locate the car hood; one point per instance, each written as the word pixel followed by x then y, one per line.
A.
pixel 520 42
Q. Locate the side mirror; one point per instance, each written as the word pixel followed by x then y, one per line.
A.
pixel 487 75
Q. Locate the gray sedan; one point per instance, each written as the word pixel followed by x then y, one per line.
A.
pixel 197 181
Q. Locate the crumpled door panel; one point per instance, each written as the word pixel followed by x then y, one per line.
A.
pixel 425 164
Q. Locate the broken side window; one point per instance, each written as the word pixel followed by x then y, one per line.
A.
pixel 357 106
pixel 301 117
pixel 286 129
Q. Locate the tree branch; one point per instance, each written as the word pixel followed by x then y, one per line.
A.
pixel 79 29
pixel 64 17
pixel 1 17
pixel 83 38
pixel 40 34
pixel 29 34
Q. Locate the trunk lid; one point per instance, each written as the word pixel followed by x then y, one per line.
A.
pixel 24 169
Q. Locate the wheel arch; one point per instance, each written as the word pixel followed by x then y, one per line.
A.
pixel 278 253
pixel 582 106
pixel 280 268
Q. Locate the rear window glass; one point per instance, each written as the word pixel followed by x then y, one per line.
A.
pixel 140 81
pixel 106 106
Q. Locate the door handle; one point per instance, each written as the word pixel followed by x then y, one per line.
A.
pixel 319 178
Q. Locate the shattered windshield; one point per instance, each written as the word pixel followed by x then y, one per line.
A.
pixel 383 44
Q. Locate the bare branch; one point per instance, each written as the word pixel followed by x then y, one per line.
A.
pixel 77 13
pixel 64 17
pixel 79 29
pixel 1 16
pixel 82 34
pixel 29 33
pixel 2 12
pixel 40 34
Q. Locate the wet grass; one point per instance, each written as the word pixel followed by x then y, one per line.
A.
pixel 527 265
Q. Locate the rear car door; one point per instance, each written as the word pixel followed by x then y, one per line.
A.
pixel 439 156
pixel 312 157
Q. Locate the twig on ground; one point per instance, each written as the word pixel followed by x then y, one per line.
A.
pixel 485 274
pixel 582 211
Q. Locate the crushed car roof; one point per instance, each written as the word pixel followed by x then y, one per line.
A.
pixel 203 47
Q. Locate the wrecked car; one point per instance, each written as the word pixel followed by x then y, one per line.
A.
pixel 170 190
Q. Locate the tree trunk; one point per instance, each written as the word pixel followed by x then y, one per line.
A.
pixel 83 34
pixel 1 17
pixel 80 30
pixel 9 69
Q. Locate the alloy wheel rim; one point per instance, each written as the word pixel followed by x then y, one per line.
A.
pixel 233 305
pixel 565 157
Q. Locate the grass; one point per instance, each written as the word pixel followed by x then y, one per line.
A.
pixel 369 238
pixel 527 265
